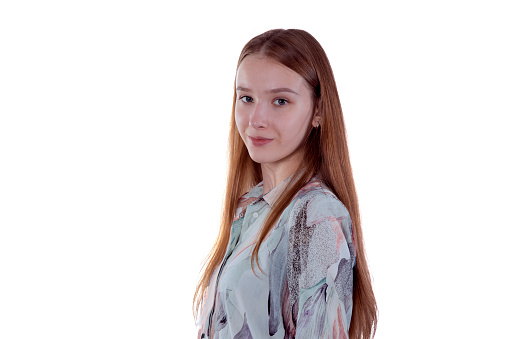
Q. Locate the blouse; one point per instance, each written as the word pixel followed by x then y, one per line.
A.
pixel 305 289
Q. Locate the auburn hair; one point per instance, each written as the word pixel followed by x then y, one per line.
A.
pixel 325 153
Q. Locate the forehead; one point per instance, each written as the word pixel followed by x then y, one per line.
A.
pixel 264 73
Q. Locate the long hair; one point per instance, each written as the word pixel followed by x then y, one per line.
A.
pixel 325 153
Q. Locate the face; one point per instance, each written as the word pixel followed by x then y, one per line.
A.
pixel 273 111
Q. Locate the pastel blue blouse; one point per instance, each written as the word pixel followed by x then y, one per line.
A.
pixel 305 290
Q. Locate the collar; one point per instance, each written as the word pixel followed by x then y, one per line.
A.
pixel 272 196
pixel 256 193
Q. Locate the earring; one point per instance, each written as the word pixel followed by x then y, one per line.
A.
pixel 317 124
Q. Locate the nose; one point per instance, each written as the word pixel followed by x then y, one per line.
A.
pixel 258 116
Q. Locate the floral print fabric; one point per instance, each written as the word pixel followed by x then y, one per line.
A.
pixel 305 289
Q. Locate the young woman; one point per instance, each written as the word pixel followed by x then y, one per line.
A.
pixel 289 259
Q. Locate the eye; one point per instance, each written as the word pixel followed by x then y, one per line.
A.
pixel 281 102
pixel 246 99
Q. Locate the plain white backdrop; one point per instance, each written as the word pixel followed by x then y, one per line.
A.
pixel 113 126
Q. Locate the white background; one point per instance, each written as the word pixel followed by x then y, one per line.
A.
pixel 113 128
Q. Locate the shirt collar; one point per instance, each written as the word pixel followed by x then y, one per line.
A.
pixel 272 196
pixel 256 193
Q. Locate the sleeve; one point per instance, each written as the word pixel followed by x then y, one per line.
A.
pixel 320 265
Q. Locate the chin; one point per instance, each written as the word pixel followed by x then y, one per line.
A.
pixel 260 158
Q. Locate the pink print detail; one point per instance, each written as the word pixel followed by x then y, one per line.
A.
pixel 336 227
pixel 342 333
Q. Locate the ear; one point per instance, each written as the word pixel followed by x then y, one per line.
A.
pixel 317 120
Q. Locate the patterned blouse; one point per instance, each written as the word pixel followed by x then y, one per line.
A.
pixel 305 290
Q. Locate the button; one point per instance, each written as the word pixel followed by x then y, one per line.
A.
pixel 255 214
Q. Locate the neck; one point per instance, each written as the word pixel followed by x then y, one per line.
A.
pixel 273 175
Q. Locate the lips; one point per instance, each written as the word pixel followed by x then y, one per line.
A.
pixel 259 141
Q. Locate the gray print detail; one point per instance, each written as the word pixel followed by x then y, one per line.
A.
pixel 244 332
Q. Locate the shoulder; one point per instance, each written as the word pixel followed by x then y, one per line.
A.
pixel 318 214
pixel 318 202
pixel 317 208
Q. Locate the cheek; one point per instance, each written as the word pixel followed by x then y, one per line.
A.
pixel 293 129
pixel 240 121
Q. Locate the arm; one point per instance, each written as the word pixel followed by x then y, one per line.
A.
pixel 320 268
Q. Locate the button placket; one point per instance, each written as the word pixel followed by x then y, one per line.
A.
pixel 250 218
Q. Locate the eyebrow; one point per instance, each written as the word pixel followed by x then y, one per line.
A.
pixel 275 90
